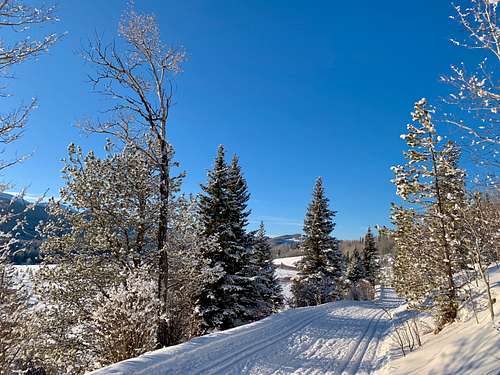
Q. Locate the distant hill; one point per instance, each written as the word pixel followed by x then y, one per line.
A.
pixel 287 239
pixel 26 234
pixel 285 246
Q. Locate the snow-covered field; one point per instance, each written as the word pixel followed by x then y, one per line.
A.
pixel 290 261
pixel 336 338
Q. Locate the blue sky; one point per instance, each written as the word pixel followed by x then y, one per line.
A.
pixel 297 89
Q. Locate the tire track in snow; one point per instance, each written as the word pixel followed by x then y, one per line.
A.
pixel 321 347
pixel 278 369
pixel 360 347
pixel 226 338
pixel 257 346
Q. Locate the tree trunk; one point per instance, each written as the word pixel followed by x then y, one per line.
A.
pixel 451 312
pixel 163 276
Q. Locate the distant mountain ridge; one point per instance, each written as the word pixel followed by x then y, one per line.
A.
pixel 286 245
pixel 285 239
pixel 26 234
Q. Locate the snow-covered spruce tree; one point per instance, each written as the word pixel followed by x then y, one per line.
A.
pixel 239 196
pixel 356 267
pixel 270 297
pixel 431 181
pixel 371 261
pixel 319 278
pixel 230 299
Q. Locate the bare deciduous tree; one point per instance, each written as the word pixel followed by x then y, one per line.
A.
pixel 477 90
pixel 481 225
pixel 16 46
pixel 138 79
pixel 18 18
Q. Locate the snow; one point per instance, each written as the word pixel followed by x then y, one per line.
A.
pixel 464 347
pixel 290 261
pixel 285 271
pixel 344 337
pixel 336 338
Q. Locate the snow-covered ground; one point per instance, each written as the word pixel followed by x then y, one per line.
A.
pixel 336 338
pixel 345 337
pixel 290 261
pixel 462 348
pixel 285 271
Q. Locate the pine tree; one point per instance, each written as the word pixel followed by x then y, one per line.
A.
pixel 370 258
pixel 226 301
pixel 432 182
pixel 269 292
pixel 320 271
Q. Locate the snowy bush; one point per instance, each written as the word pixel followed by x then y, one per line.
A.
pixel 362 290
pixel 124 322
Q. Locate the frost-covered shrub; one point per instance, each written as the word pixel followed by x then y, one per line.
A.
pixel 124 322
pixel 362 290
pixel 13 313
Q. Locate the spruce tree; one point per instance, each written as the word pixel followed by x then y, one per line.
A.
pixel 239 197
pixel 246 272
pixel 320 271
pixel 226 300
pixel 370 258
pixel 269 291
pixel 356 269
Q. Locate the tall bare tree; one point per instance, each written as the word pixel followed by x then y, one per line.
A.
pixel 136 73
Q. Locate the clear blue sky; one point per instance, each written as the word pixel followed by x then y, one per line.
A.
pixel 297 89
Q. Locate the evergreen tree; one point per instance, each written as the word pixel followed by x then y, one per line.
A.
pixel 320 271
pixel 246 272
pixel 432 182
pixel 239 197
pixel 356 269
pixel 370 258
pixel 270 294
pixel 226 300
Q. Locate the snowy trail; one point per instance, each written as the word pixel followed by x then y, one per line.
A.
pixel 336 338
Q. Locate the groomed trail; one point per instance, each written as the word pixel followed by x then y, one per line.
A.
pixel 336 338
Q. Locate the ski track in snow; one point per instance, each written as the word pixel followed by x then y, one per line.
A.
pixel 336 338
